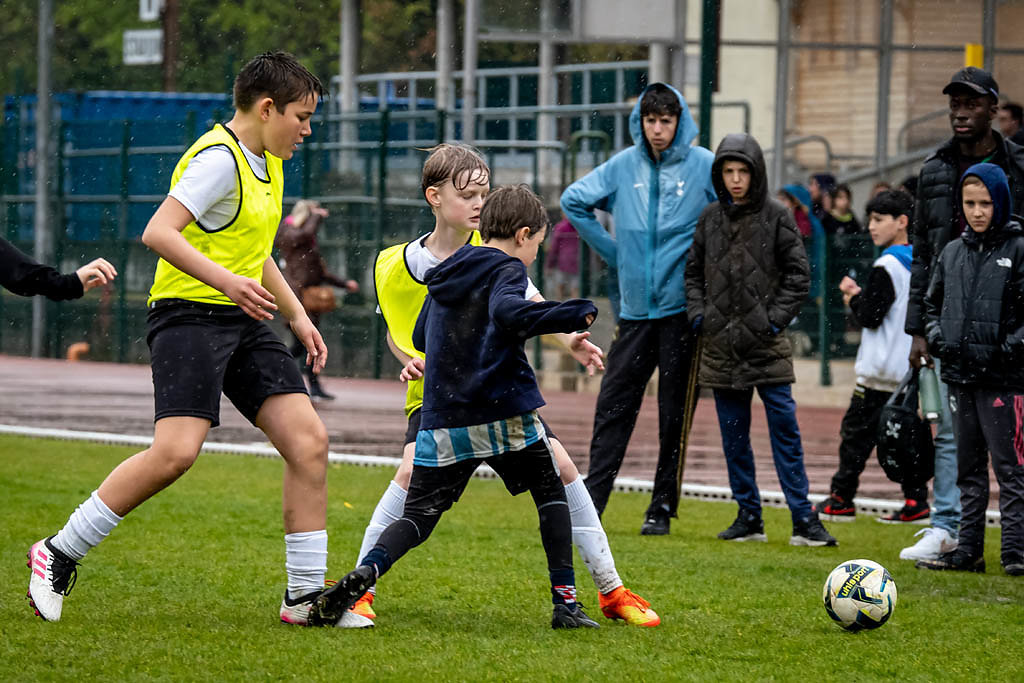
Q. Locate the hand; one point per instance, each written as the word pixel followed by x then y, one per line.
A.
pixel 849 286
pixel 919 354
pixel 591 317
pixel 588 354
pixel 321 211
pixel 316 351
pixel 96 273
pixel 351 286
pixel 252 298
pixel 413 370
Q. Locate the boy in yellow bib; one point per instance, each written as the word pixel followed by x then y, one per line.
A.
pixel 455 182
pixel 215 287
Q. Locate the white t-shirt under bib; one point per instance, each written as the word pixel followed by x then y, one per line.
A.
pixel 209 186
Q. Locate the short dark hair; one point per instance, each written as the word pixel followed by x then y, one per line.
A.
pixel 1015 110
pixel 509 208
pixel 449 161
pixel 660 100
pixel 893 203
pixel 277 75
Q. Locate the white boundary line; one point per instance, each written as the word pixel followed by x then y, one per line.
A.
pixel 866 506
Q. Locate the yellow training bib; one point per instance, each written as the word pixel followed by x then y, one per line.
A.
pixel 400 297
pixel 243 245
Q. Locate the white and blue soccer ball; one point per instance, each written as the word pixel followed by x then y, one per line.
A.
pixel 859 595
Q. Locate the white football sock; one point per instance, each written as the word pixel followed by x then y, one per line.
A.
pixel 389 509
pixel 305 561
pixel 87 526
pixel 590 539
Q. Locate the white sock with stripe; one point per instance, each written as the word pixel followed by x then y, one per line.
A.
pixel 305 561
pixel 590 539
pixel 89 524
pixel 389 509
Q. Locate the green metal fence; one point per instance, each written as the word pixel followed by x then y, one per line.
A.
pixel 107 186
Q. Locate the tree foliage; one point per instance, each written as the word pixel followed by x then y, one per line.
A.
pixel 217 37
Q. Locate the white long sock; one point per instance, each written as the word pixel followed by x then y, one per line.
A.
pixel 305 561
pixel 87 526
pixel 590 539
pixel 389 509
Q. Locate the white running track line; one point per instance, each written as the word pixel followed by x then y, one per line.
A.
pixel 867 506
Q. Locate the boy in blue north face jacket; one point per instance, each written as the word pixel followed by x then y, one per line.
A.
pixel 655 190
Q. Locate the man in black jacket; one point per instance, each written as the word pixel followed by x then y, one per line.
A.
pixel 973 106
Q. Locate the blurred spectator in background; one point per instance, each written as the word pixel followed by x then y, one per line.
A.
pixel 878 188
pixel 798 199
pixel 1011 122
pixel 562 261
pixel 820 186
pixel 306 273
pixel 840 219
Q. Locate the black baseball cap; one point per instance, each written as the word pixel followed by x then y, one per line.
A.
pixel 973 78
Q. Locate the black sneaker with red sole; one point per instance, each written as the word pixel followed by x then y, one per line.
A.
pixel 836 509
pixel 912 511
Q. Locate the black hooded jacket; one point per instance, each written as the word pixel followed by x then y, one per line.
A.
pixel 937 218
pixel 974 309
pixel 472 327
pixel 747 276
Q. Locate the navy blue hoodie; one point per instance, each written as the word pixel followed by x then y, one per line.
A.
pixel 472 327
pixel 974 309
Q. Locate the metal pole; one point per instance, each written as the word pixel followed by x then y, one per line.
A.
pixel 349 48
pixel 42 169
pixel 546 95
pixel 708 66
pixel 679 49
pixel 445 87
pixel 382 198
pixel 781 95
pixel 988 34
pixel 657 63
pixel 884 84
pixel 469 59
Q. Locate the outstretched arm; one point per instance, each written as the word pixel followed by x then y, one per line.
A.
pixel 579 346
pixel 531 318
pixel 25 276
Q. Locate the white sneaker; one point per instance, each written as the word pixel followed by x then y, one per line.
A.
pixel 934 541
pixel 53 576
pixel 352 620
pixel 296 611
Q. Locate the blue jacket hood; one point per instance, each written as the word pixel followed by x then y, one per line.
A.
pixel 799 193
pixel 998 188
pixel 686 129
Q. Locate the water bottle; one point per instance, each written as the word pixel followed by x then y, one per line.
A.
pixel 931 400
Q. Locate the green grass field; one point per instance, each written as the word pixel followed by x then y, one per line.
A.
pixel 188 587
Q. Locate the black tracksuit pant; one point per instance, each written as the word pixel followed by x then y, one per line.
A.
pixel 989 421
pixel 639 347
pixel 858 436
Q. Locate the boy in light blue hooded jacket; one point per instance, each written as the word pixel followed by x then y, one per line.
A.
pixel 655 190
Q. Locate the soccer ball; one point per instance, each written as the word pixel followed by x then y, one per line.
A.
pixel 859 594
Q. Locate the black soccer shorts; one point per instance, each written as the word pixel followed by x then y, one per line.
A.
pixel 199 350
